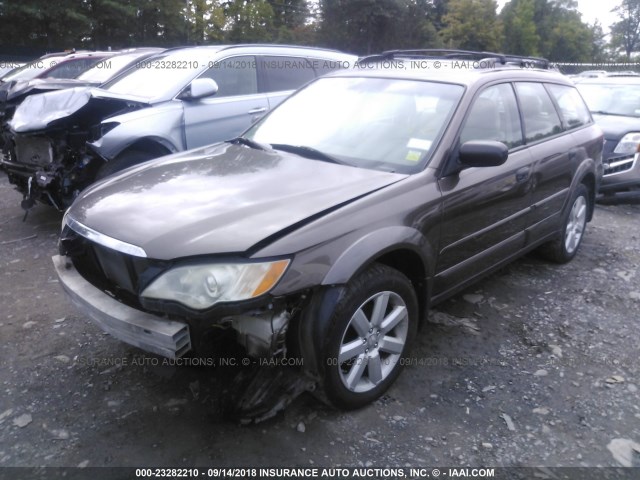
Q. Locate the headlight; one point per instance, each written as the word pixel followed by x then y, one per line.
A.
pixel 629 144
pixel 202 286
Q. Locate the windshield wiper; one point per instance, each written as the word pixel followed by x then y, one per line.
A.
pixel 307 152
pixel 250 143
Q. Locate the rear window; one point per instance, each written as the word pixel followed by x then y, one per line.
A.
pixel 572 108
pixel 541 119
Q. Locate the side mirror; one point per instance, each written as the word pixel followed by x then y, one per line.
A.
pixel 201 88
pixel 483 153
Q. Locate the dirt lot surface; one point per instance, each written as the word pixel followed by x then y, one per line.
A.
pixel 536 365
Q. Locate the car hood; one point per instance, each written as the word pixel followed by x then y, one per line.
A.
pixel 50 109
pixel 616 126
pixel 40 85
pixel 219 199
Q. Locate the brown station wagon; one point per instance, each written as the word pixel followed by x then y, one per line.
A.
pixel 327 230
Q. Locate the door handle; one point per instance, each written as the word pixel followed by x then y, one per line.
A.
pixel 522 174
pixel 254 111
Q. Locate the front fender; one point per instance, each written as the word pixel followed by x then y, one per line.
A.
pixel 374 245
pixel 163 125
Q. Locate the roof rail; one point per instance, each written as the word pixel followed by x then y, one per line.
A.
pixel 453 54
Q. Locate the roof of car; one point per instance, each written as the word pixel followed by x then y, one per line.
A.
pixel 262 48
pixel 453 72
pixel 455 66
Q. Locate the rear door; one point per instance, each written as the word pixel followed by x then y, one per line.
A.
pixel 485 209
pixel 552 149
pixel 232 110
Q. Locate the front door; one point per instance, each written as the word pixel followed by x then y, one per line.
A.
pixel 485 208
pixel 232 110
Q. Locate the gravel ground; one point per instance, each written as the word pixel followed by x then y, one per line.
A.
pixel 537 365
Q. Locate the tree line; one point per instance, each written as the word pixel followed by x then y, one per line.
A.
pixel 550 28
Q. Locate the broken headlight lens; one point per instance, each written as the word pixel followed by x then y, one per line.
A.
pixel 629 144
pixel 202 286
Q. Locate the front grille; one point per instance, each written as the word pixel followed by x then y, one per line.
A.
pixel 34 150
pixel 116 273
pixel 618 165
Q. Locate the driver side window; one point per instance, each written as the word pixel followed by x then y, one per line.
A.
pixel 494 116
pixel 234 76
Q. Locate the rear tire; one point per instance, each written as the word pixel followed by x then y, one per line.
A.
pixel 370 334
pixel 565 247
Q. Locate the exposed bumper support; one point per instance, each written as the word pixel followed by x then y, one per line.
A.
pixel 164 337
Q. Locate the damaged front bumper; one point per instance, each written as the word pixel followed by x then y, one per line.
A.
pixel 261 332
pixel 163 337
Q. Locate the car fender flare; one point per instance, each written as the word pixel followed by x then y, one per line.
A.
pixel 142 144
pixel 374 245
pixel 586 168
pixel 316 317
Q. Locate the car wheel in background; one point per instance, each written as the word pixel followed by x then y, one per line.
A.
pixel 564 248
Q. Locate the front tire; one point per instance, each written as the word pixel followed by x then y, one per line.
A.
pixel 564 248
pixel 369 337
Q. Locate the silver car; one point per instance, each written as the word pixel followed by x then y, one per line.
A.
pixel 180 99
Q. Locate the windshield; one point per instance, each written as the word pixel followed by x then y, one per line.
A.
pixel 107 68
pixel 32 69
pixel 163 75
pixel 612 99
pixel 385 124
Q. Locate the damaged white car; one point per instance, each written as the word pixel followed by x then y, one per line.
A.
pixel 180 99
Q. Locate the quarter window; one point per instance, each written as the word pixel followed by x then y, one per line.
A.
pixel 540 117
pixel 572 108
pixel 494 116
pixel 234 76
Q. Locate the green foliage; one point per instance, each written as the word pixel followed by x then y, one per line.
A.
pixel 472 25
pixel 520 31
pixel 625 33
pixel 249 21
pixel 551 28
pixel 369 26
pixel 42 23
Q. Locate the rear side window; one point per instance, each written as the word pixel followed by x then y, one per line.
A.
pixel 541 119
pixel 285 73
pixel 234 76
pixel 572 108
pixel 494 116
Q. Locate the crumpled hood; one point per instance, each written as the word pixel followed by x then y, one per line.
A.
pixel 219 199
pixel 40 85
pixel 45 110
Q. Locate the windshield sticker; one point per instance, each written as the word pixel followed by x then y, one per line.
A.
pixel 419 144
pixel 413 156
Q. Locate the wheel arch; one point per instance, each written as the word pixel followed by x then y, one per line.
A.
pixel 589 181
pixel 156 145
pixel 402 248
